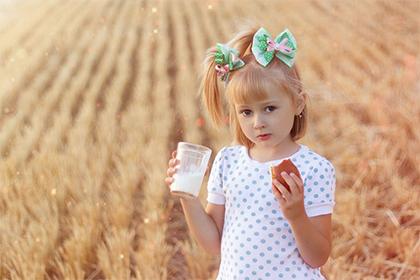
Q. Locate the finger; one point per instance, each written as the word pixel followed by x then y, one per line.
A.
pixel 285 193
pixel 298 181
pixel 171 171
pixel 173 162
pixel 169 181
pixel 278 195
pixel 291 182
pixel 281 197
pixel 174 154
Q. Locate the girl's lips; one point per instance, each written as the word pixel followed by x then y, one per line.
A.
pixel 264 137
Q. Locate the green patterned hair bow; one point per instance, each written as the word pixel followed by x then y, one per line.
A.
pixel 265 48
pixel 227 59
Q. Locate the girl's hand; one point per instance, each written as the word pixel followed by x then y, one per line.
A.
pixel 173 167
pixel 173 163
pixel 291 203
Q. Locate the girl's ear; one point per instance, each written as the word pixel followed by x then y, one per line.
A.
pixel 301 101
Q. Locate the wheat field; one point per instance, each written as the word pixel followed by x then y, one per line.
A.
pixel 94 96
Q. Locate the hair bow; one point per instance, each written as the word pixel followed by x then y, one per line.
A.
pixel 265 48
pixel 227 59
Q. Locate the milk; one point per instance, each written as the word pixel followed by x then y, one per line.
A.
pixel 189 183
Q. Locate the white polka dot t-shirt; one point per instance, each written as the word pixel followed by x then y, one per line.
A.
pixel 257 241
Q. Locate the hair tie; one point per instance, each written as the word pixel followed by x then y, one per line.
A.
pixel 265 48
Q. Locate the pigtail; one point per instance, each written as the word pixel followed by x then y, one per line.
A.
pixel 212 98
pixel 209 88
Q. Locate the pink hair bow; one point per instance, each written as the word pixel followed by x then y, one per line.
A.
pixel 264 48
pixel 282 47
pixel 226 59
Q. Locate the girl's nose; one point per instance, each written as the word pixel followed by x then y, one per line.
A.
pixel 258 122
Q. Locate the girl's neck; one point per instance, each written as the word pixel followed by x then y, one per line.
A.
pixel 282 150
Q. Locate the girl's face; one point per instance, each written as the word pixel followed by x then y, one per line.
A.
pixel 267 123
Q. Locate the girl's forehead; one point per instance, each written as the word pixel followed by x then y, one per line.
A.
pixel 258 103
pixel 252 87
pixel 268 98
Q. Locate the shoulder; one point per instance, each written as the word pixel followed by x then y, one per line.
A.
pixel 228 153
pixel 317 162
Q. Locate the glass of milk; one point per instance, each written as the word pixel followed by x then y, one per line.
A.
pixel 192 167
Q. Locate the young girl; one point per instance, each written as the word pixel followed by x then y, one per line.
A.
pixel 262 230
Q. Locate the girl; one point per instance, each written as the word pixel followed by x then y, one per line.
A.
pixel 262 230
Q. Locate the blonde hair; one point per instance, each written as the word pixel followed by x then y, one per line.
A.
pixel 250 83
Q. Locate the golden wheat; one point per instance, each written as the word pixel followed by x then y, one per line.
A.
pixel 95 95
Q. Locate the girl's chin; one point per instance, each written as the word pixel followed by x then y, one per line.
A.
pixel 265 143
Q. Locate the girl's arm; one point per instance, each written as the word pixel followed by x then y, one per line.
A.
pixel 205 226
pixel 313 235
pixel 313 238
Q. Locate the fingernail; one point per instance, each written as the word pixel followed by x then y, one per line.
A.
pixel 292 174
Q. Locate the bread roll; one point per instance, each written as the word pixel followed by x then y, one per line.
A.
pixel 287 166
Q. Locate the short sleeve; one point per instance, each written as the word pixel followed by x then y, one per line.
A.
pixel 215 192
pixel 320 189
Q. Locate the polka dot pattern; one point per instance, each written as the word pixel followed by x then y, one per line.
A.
pixel 257 241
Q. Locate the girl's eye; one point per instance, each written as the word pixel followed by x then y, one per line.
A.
pixel 245 113
pixel 271 108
